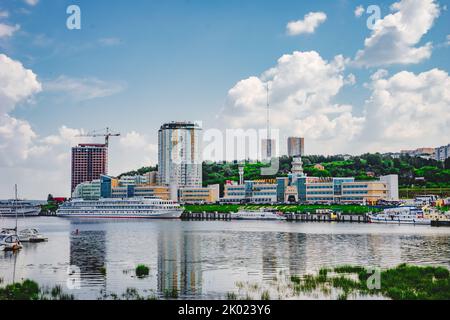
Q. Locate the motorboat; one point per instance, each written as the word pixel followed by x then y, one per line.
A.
pixel 10 242
pixel 31 235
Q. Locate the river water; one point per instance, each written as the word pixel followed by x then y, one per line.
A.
pixel 207 259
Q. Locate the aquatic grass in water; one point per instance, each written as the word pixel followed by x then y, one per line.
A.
pixel 30 290
pixel 142 271
pixel 399 283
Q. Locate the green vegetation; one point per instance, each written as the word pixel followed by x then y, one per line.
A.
pixel 30 290
pixel 171 293
pixel 427 175
pixel 404 282
pixel 344 209
pixel 138 172
pixel 103 270
pixel 50 207
pixel 142 271
pixel 412 171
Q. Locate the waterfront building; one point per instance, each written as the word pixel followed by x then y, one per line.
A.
pixel 148 191
pixel 442 153
pixel 108 187
pixel 87 190
pixel 138 179
pixel 89 162
pixel 209 194
pixel 250 191
pixel 296 146
pixel 179 154
pixel 297 187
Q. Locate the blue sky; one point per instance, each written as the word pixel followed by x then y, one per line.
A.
pixel 148 62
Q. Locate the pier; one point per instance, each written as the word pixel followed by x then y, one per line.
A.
pixel 305 217
pixel 206 216
pixel 293 217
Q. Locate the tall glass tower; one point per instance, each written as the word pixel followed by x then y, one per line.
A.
pixel 179 154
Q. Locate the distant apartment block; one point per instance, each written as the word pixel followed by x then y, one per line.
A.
pixel 420 152
pixel 296 146
pixel 89 162
pixel 268 149
pixel 442 153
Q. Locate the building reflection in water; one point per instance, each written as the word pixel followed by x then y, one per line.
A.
pixel 179 263
pixel 88 253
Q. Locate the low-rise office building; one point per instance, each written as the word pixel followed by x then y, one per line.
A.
pixel 297 187
pixel 201 195
pixel 108 187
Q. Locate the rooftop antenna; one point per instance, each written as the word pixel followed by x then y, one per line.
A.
pixel 268 114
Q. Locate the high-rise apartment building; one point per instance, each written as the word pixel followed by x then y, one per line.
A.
pixel 89 162
pixel 268 149
pixel 179 154
pixel 296 146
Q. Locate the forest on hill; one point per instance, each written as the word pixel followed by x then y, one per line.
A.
pixel 412 171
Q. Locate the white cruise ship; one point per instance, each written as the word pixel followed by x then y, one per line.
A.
pixel 121 208
pixel 8 208
pixel 400 215
pixel 258 215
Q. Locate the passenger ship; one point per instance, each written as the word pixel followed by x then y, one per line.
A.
pixel 142 208
pixel 8 208
pixel 400 215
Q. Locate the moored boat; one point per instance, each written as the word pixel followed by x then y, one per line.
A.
pixel 9 208
pixel 10 242
pixel 31 235
pixel 141 208
pixel 400 215
pixel 263 214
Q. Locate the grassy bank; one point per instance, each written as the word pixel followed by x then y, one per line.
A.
pixel 404 282
pixel 410 193
pixel 345 209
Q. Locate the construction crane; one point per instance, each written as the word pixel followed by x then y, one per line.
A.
pixel 99 133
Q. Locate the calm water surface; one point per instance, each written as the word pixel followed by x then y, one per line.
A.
pixel 205 259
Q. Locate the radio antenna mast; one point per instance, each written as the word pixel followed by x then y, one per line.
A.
pixel 268 114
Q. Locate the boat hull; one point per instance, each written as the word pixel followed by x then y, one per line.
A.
pixel 400 221
pixel 20 214
pixel 439 223
pixel 120 215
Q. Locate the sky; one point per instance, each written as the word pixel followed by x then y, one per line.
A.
pixel 346 80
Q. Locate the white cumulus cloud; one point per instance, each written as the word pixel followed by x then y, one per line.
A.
pixel 407 110
pixel 395 38
pixel 7 30
pixel 359 10
pixel 83 88
pixel 302 88
pixel 308 25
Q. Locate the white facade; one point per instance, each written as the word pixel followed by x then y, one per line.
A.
pixel 87 190
pixel 179 154
pixel 136 180
pixel 392 186
pixel 442 153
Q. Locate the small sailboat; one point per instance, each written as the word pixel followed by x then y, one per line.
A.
pixel 9 240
